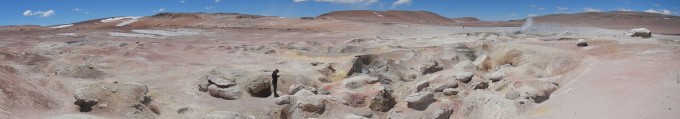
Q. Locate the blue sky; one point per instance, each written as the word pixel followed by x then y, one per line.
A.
pixel 52 12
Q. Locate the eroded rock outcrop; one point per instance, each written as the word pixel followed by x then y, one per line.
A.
pixel 420 100
pixel 383 101
pixel 126 99
pixel 581 43
pixel 230 83
pixel 639 32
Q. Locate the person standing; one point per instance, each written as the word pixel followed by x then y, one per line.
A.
pixel 275 77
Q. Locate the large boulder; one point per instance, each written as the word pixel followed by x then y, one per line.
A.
pixel 536 90
pixel 383 101
pixel 289 83
pixel 228 82
pixel 581 43
pixel 229 93
pixel 639 32
pixel 420 100
pixel 481 61
pixel 431 67
pixel 497 75
pixel 260 86
pixel 285 99
pixel 420 85
pixel 463 76
pixel 224 76
pixel 127 99
pixel 312 104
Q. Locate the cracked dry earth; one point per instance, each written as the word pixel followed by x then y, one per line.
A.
pixel 360 70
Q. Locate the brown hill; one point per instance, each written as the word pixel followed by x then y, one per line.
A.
pixel 465 20
pixel 418 17
pixel 658 23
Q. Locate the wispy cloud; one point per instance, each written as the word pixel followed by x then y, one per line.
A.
pixel 28 13
pixel 160 10
pixel 562 8
pixel 209 7
pixel 661 11
pixel 76 9
pixel 399 2
pixel 537 7
pixel 216 1
pixel 47 13
pixel 182 1
pixel 340 1
pixel 588 9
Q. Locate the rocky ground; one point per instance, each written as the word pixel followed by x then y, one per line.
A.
pixel 332 69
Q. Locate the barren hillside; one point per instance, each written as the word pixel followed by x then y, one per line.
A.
pixel 658 23
pixel 417 17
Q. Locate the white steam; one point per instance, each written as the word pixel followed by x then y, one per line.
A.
pixel 527 24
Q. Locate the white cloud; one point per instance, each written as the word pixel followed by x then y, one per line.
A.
pixel 537 7
pixel 340 1
pixel 399 2
pixel 661 11
pixel 182 1
pixel 216 1
pixel 210 7
pixel 48 13
pixel 27 13
pixel 623 9
pixel 562 8
pixel 160 10
pixel 588 9
pixel 77 9
pixel 512 14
